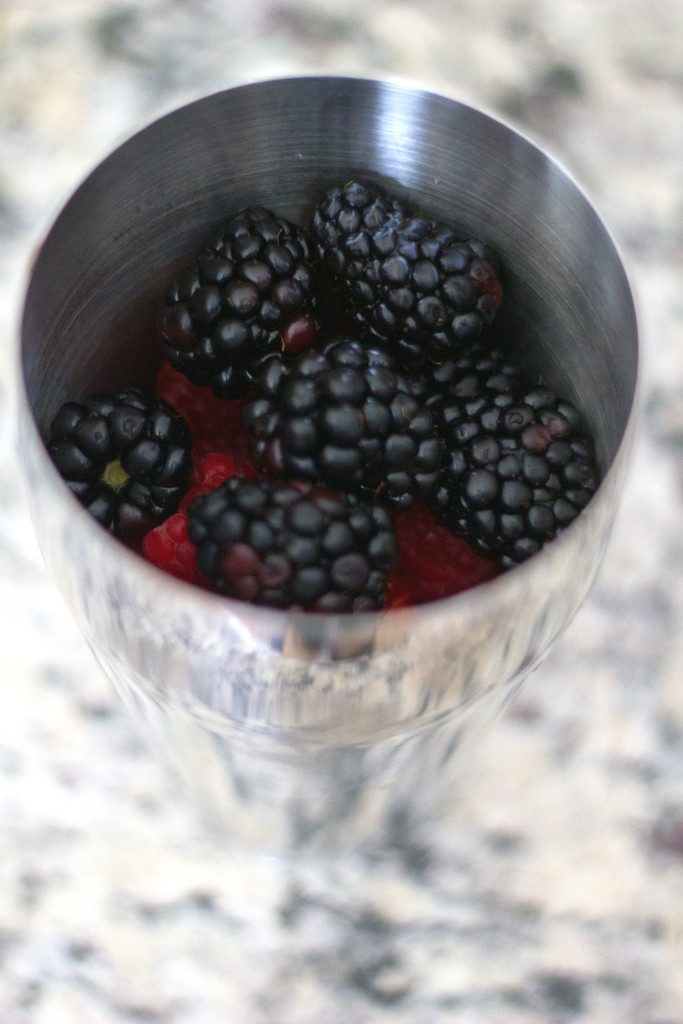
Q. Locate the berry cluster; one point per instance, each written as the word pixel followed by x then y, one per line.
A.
pixel 125 456
pixel 409 280
pixel 290 545
pixel 345 417
pixel 335 427
pixel 249 293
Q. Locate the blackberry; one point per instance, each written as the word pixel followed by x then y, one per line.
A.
pixel 519 469
pixel 411 281
pixel 345 221
pixel 250 294
pixel 125 456
pixel 293 546
pixel 425 290
pixel 344 417
pixel 476 373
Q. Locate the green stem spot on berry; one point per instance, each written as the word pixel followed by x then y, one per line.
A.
pixel 115 476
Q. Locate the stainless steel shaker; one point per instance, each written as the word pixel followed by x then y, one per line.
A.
pixel 301 730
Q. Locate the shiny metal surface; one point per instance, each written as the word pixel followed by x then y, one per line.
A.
pixel 296 729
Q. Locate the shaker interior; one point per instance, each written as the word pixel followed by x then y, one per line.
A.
pixel 92 305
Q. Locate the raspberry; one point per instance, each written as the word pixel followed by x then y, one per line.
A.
pixel 169 546
pixel 210 472
pixel 432 562
pixel 214 423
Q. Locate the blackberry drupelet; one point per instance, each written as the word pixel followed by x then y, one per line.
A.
pixel 344 417
pixel 250 294
pixel 520 468
pixel 290 545
pixel 411 281
pixel 125 456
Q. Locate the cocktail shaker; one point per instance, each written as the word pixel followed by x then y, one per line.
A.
pixel 301 731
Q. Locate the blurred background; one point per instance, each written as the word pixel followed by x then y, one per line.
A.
pixel 555 893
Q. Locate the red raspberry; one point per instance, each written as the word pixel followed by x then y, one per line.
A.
pixel 168 546
pixel 432 562
pixel 210 471
pixel 214 423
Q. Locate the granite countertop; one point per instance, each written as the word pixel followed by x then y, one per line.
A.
pixel 556 893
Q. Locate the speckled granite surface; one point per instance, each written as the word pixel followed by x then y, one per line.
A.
pixel 556 892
